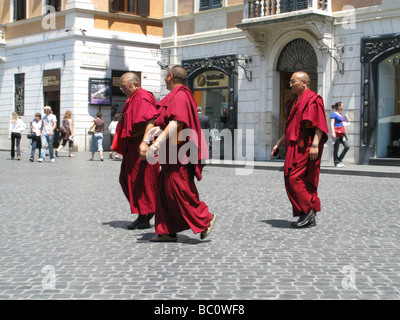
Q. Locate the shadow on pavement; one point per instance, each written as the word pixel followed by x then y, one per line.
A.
pixel 277 223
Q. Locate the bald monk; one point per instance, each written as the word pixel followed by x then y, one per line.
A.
pixel 178 205
pixel 305 135
pixel 138 178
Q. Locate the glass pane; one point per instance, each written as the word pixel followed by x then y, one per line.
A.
pixel 388 138
pixel 120 5
pixel 131 6
pixel 211 92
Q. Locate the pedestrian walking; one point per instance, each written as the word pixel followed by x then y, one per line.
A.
pixel 49 124
pixel 138 178
pixel 97 137
pixel 112 128
pixel 339 135
pixel 204 121
pixel 178 205
pixel 305 135
pixel 36 143
pixel 16 127
pixel 67 134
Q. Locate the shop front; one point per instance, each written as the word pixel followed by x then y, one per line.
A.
pixel 213 81
pixel 380 130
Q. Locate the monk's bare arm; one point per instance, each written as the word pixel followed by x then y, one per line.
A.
pixel 144 145
pixel 278 145
pixel 314 150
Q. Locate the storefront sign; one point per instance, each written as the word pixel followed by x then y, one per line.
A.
pixel 210 79
pixel 51 80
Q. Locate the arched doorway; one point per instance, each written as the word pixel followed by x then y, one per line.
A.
pixel 297 55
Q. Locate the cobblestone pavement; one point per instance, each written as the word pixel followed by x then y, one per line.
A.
pixel 63 236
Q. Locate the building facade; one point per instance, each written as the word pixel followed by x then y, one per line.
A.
pixel 240 56
pixel 69 54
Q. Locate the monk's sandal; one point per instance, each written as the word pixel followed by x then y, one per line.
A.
pixel 206 232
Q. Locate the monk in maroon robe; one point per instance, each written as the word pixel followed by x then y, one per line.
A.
pixel 138 178
pixel 305 135
pixel 182 149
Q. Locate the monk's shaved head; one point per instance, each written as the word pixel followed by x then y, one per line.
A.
pixel 299 82
pixel 130 83
pixel 178 73
pixel 131 77
pixel 303 76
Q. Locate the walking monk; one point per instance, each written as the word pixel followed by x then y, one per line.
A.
pixel 305 135
pixel 138 178
pixel 178 205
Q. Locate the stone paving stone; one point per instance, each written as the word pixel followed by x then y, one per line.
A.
pixel 71 215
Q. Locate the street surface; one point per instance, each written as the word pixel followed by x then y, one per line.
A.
pixel 63 236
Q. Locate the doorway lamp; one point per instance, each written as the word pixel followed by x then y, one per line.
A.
pixel 245 66
pixel 339 52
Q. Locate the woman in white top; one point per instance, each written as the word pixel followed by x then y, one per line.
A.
pixel 36 125
pixel 14 134
pixel 112 128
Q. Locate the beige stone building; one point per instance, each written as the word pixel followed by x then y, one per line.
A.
pixel 69 54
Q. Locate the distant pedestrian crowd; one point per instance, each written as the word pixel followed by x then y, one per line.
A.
pixel 42 133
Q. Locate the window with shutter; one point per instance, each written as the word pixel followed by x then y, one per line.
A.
pixel 19 9
pixel 54 3
pixel 143 8
pixel 210 4
pixel 127 6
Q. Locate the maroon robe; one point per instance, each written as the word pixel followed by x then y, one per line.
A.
pixel 138 178
pixel 178 205
pixel 302 174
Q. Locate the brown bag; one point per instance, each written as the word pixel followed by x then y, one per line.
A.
pixel 92 129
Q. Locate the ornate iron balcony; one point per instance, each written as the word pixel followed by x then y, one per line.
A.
pixel 263 8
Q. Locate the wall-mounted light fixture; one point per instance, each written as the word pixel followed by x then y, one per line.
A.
pixel 162 65
pixel 247 60
pixel 336 54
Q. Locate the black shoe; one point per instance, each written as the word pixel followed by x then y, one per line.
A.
pixel 143 225
pixel 312 222
pixel 305 220
pixel 301 218
pixel 134 225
